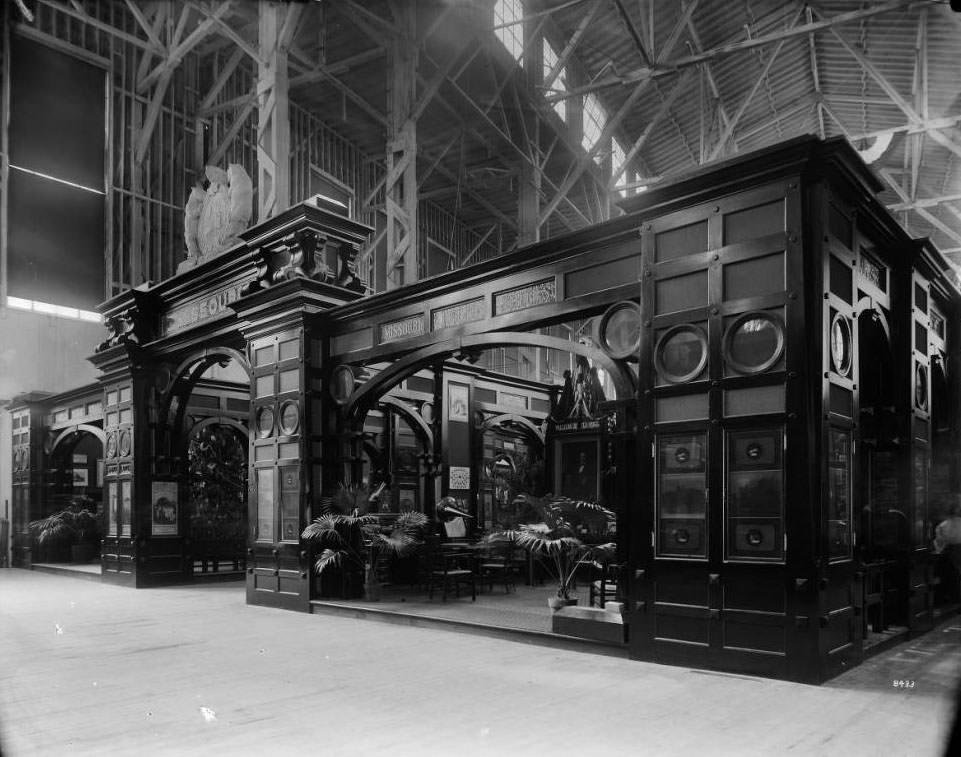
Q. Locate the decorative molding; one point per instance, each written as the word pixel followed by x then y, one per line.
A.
pixel 457 315
pixel 524 297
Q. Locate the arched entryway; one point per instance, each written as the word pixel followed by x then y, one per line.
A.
pixel 74 478
pixel 204 436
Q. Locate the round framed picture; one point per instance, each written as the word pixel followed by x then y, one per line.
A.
pixel 265 422
pixel 123 445
pixel 754 342
pixel 289 417
pixel 427 412
pixel 841 346
pixel 681 353
pixel 342 381
pixel 619 330
pixel 921 386
pixel 111 450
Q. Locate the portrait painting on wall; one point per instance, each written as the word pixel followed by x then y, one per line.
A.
pixel 163 508
pixel 457 403
pixel 577 471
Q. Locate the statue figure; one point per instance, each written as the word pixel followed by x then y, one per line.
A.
pixel 214 217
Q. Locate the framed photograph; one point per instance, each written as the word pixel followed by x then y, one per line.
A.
pixel 164 515
pixel 407 498
pixel 459 477
pixel 577 468
pixel 81 478
pixel 458 401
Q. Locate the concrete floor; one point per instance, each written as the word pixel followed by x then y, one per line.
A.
pixel 92 669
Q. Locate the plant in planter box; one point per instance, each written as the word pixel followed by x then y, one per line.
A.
pixel 558 537
pixel 353 540
pixel 218 486
pixel 76 526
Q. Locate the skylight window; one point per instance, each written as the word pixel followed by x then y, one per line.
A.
pixel 509 26
pixel 618 156
pixel 559 83
pixel 594 119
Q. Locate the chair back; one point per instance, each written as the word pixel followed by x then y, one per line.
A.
pixel 456 528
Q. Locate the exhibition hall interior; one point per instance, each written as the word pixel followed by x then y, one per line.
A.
pixel 636 322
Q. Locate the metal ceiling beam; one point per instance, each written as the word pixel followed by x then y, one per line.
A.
pixel 926 202
pixel 632 31
pixel 670 66
pixel 768 123
pixel 687 11
pixel 815 73
pixel 894 95
pixel 604 140
pixel 729 129
pixel 927 216
pixel 912 128
pixel 662 111
pixel 572 43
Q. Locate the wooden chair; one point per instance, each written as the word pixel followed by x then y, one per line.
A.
pixel 497 564
pixel 602 587
pixel 449 572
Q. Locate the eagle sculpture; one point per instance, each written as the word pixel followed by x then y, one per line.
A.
pixel 214 217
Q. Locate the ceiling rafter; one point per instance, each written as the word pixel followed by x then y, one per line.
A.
pixel 815 72
pixel 571 45
pixel 632 31
pixel 144 24
pixel 891 91
pixel 729 129
pixel 81 15
pixel 223 77
pixel 670 66
pixel 679 86
pixel 603 141
pixel 923 212
pixel 250 48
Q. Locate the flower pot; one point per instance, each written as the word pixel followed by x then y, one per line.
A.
pixel 372 591
pixel 556 603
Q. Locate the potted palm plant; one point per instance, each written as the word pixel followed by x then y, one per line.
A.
pixel 75 526
pixel 559 538
pixel 353 539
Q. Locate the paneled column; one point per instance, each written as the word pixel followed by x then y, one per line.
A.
pixel 306 258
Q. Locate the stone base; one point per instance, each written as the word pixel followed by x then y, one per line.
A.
pixel 590 623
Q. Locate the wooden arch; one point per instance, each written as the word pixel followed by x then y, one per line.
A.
pixel 94 430
pixel 185 377
pixel 219 420
pixel 418 424
pixel 368 393
pixel 514 419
